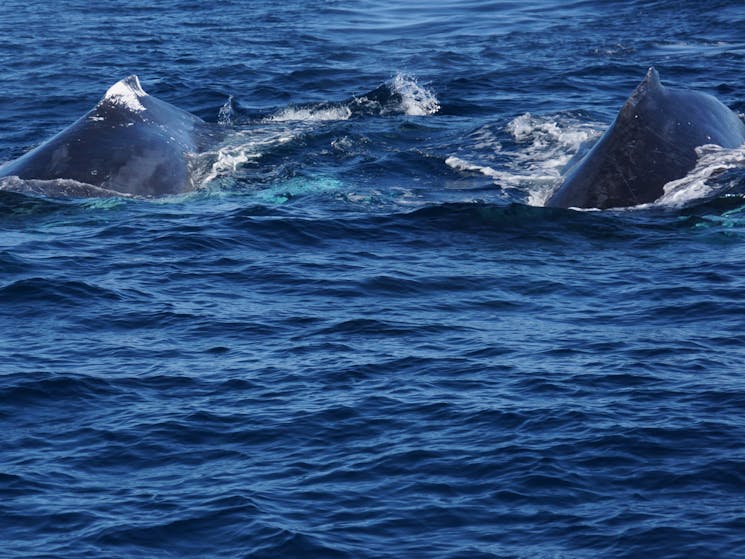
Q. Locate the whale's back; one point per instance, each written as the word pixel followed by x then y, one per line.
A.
pixel 130 142
pixel 652 141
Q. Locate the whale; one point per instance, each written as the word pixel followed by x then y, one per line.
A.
pixel 652 141
pixel 131 143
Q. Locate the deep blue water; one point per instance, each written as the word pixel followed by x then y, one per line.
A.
pixel 364 336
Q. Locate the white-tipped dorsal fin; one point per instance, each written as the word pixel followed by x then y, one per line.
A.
pixel 127 92
pixel 652 79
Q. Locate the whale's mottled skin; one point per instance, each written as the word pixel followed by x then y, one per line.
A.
pixel 651 142
pixel 129 143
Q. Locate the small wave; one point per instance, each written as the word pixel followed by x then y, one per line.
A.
pixel 55 291
pixel 41 388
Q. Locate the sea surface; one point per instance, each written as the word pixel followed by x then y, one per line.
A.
pixel 363 336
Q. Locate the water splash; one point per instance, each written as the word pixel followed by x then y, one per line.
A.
pixel 401 95
pixel 226 113
pixel 416 100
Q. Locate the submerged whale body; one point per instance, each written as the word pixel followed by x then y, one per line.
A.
pixel 652 141
pixel 129 143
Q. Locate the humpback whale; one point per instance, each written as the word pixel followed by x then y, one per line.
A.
pixel 130 143
pixel 652 141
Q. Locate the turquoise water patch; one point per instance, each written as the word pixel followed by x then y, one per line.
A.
pixel 299 186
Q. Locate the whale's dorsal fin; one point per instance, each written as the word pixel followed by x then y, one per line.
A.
pixel 650 85
pixel 126 93
pixel 651 80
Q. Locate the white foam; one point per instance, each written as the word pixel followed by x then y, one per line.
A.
pixel 543 147
pixel 461 165
pixel 415 99
pixel 312 114
pixel 547 144
pixel 239 149
pixel 226 161
pixel 127 93
pixel 547 136
pixel 712 160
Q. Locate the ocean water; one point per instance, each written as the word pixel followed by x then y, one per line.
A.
pixel 364 336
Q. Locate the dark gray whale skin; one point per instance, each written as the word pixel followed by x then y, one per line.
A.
pixel 130 143
pixel 651 142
